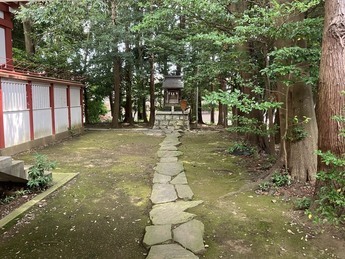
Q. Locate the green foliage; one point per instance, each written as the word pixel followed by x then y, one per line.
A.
pixel 265 186
pixel 279 179
pixel 302 203
pixel 331 196
pixel 250 125
pixel 38 180
pixel 296 131
pixel 241 148
pixel 9 198
pixel 96 108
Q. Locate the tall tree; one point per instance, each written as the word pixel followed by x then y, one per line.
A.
pixel 331 101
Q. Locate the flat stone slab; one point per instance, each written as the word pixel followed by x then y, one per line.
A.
pixel 168 159
pixel 169 153
pixel 170 251
pixel 168 148
pixel 161 178
pixel 171 168
pixel 162 193
pixel 172 212
pixel 157 235
pixel 172 142
pixel 184 191
pixel 180 179
pixel 190 235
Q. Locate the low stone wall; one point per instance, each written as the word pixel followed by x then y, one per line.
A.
pixel 171 120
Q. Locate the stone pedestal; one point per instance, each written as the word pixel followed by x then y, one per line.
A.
pixel 174 120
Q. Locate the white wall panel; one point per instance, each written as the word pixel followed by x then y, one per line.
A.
pixel 75 96
pixel 76 116
pixel 60 96
pixel 42 123
pixel 16 127
pixel 61 120
pixel 14 95
pixel 40 96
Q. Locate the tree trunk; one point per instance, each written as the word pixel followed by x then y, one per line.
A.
pixel 212 107
pixel 331 83
pixel 200 120
pixel 221 119
pixel 297 152
pixel 152 92
pixel 29 44
pixel 117 89
pixel 302 161
pixel 129 102
pixel 116 106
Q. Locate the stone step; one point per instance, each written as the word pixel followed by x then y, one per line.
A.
pixel 190 235
pixel 5 161
pixel 170 251
pixel 184 191
pixel 14 173
pixel 162 193
pixel 157 235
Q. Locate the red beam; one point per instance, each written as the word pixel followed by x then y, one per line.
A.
pixel 2 129
pixel 52 106
pixel 82 106
pixel 69 106
pixel 30 108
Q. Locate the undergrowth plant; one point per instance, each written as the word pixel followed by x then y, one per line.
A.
pixel 280 180
pixel 38 180
pixel 241 148
pixel 302 203
pixel 331 196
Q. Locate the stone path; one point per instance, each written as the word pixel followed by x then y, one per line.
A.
pixel 174 233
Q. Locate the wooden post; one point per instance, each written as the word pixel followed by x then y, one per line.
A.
pixel 69 106
pixel 82 106
pixel 30 108
pixel 2 132
pixel 52 107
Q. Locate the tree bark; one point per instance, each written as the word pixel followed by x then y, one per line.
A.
pixel 331 83
pixel 297 155
pixel 152 92
pixel 117 76
pixel 212 107
pixel 29 43
pixel 129 102
pixel 117 88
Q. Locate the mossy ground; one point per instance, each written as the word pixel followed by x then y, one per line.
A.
pixel 103 213
pixel 241 224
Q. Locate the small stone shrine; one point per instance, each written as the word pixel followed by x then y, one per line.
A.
pixel 174 115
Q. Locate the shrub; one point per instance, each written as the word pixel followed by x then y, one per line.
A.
pixel 331 196
pixel 280 180
pixel 38 180
pixel 241 149
pixel 264 186
pixel 302 203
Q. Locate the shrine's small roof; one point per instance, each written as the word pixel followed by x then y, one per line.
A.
pixel 172 82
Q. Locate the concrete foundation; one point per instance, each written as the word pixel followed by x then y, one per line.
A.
pixel 173 120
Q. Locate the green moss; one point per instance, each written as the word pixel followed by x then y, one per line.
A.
pixel 240 224
pixel 103 213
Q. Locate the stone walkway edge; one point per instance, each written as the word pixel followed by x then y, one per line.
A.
pixel 59 180
pixel 174 233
